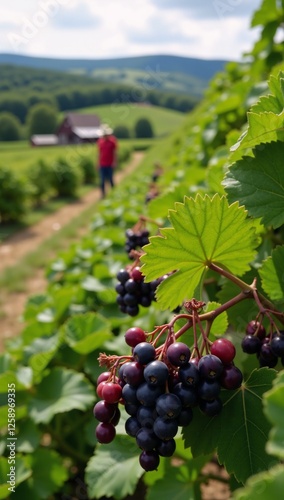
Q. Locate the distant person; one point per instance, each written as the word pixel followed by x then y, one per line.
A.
pixel 107 148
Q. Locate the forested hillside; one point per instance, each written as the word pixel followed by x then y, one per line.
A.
pixel 153 67
pixel 166 322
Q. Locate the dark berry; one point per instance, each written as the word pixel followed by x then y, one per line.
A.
pixel 209 389
pixel 251 344
pixel 132 426
pixel 105 433
pixel 168 406
pixel 123 276
pixel 178 354
pixel 165 429
pixel 146 439
pixel 156 373
pixel 149 460
pixel 104 411
pixel 256 327
pixel 189 374
pixel 211 408
pixel 231 377
pixel 166 448
pixel 144 353
pixel 210 367
pixel 148 394
pixel 277 345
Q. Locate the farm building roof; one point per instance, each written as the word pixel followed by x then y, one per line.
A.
pixel 83 120
pixel 44 140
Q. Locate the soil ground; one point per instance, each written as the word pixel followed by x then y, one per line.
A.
pixel 15 248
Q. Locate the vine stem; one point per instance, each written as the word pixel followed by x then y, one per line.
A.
pixel 251 290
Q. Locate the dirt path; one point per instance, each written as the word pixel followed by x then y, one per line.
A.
pixel 26 241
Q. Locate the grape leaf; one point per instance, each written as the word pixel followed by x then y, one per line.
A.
pixel 60 391
pixel 86 332
pixel 220 324
pixel 267 12
pixel 22 473
pixel 263 486
pixel 175 484
pixel 246 434
pixel 41 484
pixel 272 273
pixel 273 409
pixel 203 231
pixel 272 102
pixel 114 470
pixel 262 128
pixel 258 183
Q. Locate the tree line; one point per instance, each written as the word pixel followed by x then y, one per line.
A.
pixel 22 88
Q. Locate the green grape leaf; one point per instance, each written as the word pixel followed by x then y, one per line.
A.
pixel 28 438
pixel 114 470
pixel 61 391
pixel 175 484
pixel 86 332
pixel 273 409
pixel 220 324
pixel 262 128
pixel 240 430
pixel 22 473
pixel 42 485
pixel 272 274
pixel 258 183
pixel 203 231
pixel 263 486
pixel 267 12
pixel 272 102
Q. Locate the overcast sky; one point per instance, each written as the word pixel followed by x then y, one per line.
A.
pixel 211 29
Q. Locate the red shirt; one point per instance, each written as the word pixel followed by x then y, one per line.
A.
pixel 107 146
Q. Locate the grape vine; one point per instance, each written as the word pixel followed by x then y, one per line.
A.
pixel 160 383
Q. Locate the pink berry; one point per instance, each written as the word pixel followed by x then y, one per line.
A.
pixel 111 392
pixel 224 350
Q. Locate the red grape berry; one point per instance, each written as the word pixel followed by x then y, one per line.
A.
pixel 224 350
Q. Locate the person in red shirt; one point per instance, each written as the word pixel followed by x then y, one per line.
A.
pixel 107 147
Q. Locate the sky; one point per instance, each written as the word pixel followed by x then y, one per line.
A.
pixel 91 29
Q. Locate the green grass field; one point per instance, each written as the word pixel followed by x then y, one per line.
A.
pixel 19 156
pixel 164 121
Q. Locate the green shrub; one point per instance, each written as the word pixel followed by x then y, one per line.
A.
pixel 143 128
pixel 65 178
pixel 13 196
pixel 10 127
pixel 121 132
pixel 124 154
pixel 87 166
pixel 39 176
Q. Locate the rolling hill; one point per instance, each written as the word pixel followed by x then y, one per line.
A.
pixel 160 72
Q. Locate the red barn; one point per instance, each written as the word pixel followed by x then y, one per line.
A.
pixel 77 128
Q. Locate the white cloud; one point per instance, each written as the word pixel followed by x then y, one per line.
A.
pixel 119 28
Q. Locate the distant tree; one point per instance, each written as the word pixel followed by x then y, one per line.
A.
pixel 10 127
pixel 121 132
pixel 41 119
pixel 143 128
pixel 11 103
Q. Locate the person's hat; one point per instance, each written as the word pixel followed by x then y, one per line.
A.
pixel 106 130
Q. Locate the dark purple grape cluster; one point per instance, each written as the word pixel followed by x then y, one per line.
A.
pixel 136 239
pixel 267 348
pixel 159 392
pixel 133 291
